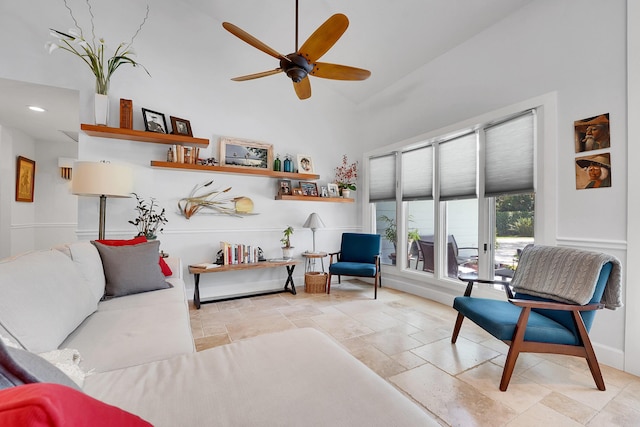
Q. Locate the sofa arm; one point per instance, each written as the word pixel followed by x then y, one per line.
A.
pixel 175 264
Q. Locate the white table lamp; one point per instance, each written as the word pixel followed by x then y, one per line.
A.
pixel 314 222
pixel 101 179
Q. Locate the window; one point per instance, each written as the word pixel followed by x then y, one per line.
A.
pixel 467 199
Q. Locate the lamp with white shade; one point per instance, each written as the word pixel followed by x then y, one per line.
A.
pixel 102 179
pixel 314 222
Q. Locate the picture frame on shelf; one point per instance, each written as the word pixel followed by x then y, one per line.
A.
pixel 333 190
pixel 309 188
pixel 154 121
pixel 243 153
pixel 25 179
pixel 297 191
pixel 305 164
pixel 284 187
pixel 324 192
pixel 180 126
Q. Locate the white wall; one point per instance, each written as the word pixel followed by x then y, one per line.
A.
pixel 187 81
pixel 548 46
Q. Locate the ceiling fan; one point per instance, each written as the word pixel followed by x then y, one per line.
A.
pixel 304 61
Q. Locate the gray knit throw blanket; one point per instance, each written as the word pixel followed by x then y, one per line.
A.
pixel 566 274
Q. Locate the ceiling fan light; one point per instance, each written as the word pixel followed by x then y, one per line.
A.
pixel 296 74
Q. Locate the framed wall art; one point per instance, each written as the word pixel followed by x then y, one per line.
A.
pixel 593 171
pixel 180 126
pixel 592 133
pixel 25 179
pixel 284 187
pixel 154 121
pixel 305 164
pixel 245 153
pixel 333 190
pixel 309 188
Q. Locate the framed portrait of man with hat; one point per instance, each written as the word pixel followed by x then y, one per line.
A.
pixel 593 171
pixel 592 133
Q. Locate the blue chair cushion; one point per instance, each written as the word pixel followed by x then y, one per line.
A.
pixel 352 269
pixel 499 318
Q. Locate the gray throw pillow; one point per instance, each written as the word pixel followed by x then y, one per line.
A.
pixel 18 367
pixel 131 269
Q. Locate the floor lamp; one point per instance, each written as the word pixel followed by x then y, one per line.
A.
pixel 101 179
pixel 314 222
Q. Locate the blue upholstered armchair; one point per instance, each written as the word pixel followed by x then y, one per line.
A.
pixel 359 256
pixel 558 291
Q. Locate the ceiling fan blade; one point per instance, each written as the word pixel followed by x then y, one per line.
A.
pixel 257 75
pixel 303 88
pixel 324 37
pixel 248 38
pixel 339 72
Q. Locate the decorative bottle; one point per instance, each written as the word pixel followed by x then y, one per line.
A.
pixel 276 163
pixel 288 165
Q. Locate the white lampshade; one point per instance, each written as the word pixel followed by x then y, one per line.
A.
pixel 314 222
pixel 101 179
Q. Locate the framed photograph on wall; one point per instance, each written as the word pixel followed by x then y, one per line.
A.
pixel 333 190
pixel 305 164
pixel 309 188
pixel 154 121
pixel 180 126
pixel 25 179
pixel 284 187
pixel 245 154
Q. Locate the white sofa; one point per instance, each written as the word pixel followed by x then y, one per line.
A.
pixel 140 354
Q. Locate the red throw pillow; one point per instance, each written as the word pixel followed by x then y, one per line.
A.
pixel 47 404
pixel 166 270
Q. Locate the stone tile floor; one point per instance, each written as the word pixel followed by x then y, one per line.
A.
pixel 406 340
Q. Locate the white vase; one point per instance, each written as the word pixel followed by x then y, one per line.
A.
pixel 101 109
pixel 346 193
pixel 287 253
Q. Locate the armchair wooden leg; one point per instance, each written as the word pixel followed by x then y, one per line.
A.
pixel 590 354
pixel 514 348
pixel 456 328
pixel 329 284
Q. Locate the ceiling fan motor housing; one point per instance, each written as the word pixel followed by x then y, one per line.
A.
pixel 296 67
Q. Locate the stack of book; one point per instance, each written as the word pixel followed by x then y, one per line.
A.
pixel 183 154
pixel 238 253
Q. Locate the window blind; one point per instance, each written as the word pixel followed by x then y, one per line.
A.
pixel 382 178
pixel 458 166
pixel 509 156
pixel 417 174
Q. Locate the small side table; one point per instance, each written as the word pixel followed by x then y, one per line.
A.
pixel 314 282
pixel 310 260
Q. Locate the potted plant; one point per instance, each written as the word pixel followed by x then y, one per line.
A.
pixel 92 51
pixel 149 221
pixel 346 176
pixel 391 234
pixel 287 249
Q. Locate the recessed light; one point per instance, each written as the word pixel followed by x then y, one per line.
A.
pixel 36 108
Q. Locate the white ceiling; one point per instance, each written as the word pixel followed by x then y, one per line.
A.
pixel 391 39
pixel 60 121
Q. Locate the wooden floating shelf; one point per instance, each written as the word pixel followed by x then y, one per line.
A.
pixel 315 199
pixel 232 169
pixel 142 136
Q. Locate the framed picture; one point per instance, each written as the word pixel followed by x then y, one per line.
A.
pixel 180 126
pixel 592 133
pixel 333 190
pixel 305 164
pixel 324 192
pixel 284 187
pixel 154 121
pixel 297 191
pixel 245 154
pixel 309 188
pixel 25 179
